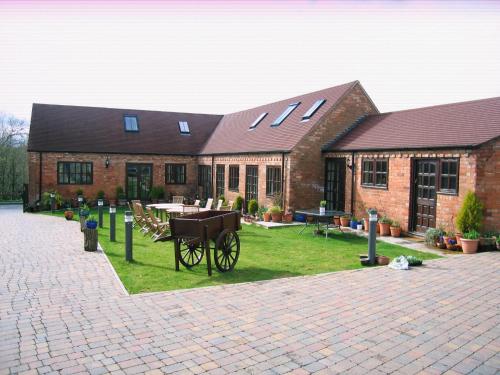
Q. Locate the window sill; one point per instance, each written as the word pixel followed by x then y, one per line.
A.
pixel 451 193
pixel 375 187
pixel 175 183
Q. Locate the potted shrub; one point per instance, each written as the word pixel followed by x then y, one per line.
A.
pixel 385 226
pixel 253 206
pixel 276 215
pixel 322 207
pixel 434 237
pixel 91 222
pixel 68 214
pixel 120 196
pixel 260 213
pixel 487 241
pixel 266 216
pixel 238 203
pixel 287 217
pixel 157 193
pixel 470 242
pixel 344 220
pixel 470 215
pixel 354 223
pixel 395 229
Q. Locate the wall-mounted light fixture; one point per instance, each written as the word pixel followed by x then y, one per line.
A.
pixel 348 161
pixel 106 163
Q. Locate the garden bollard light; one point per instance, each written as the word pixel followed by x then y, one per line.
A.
pixel 372 237
pixel 112 222
pixel 128 236
pixel 52 201
pixel 80 201
pixel 100 203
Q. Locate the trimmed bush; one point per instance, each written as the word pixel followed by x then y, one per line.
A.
pixel 238 203
pixel 470 216
pixel 253 206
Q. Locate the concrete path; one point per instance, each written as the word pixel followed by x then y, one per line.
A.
pixel 62 311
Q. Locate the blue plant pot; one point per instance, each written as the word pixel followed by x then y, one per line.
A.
pixel 91 224
pixel 354 224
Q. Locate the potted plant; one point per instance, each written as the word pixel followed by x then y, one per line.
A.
pixel 366 224
pixel 395 229
pixel 385 226
pixel 83 213
pixel 487 241
pixel 253 206
pixel 68 214
pixel 90 234
pixel 470 215
pixel 157 193
pixel 382 260
pixel 91 222
pixel 79 195
pixel 354 223
pixel 120 196
pixel 266 216
pixel 287 217
pixel 260 213
pixel 238 203
pixel 276 214
pixel 360 225
pixel 322 207
pixel 434 237
pixel 336 220
pixel 344 220
pixel 470 242
pixel 47 199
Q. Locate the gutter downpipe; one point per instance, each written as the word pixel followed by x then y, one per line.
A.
pixel 40 178
pixel 283 179
pixel 353 172
pixel 213 179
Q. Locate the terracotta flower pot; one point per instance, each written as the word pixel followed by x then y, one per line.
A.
pixel 459 237
pixel 378 227
pixel 287 218
pixel 469 246
pixel 68 215
pixel 366 225
pixel 396 231
pixel 277 217
pixel 336 220
pixel 344 221
pixel 267 217
pixel 382 260
pixel 385 229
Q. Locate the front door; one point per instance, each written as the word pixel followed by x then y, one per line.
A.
pixel 251 183
pixel 139 180
pixel 335 184
pixel 424 194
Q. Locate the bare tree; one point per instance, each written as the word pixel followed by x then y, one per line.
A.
pixel 13 158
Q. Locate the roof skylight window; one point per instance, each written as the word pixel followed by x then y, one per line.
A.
pixel 184 127
pixel 311 111
pixel 131 123
pixel 258 120
pixel 285 114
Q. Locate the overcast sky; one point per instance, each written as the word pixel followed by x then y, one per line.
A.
pixel 220 57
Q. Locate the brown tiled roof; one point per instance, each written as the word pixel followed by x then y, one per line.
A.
pixel 465 124
pixel 232 135
pixel 90 129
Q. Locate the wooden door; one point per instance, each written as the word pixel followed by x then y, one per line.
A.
pixel 138 181
pixel 335 183
pixel 424 194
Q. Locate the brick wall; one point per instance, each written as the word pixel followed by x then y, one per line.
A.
pixel 488 182
pixel 394 201
pixel 106 179
pixel 307 167
pixel 261 161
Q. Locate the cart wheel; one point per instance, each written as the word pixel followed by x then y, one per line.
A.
pixel 227 250
pixel 191 253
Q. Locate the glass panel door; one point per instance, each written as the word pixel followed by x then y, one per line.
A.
pixel 139 181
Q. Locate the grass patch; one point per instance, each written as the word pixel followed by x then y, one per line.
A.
pixel 265 254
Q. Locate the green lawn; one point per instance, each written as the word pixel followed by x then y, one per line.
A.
pixel 265 254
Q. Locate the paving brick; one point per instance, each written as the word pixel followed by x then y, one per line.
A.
pixel 63 311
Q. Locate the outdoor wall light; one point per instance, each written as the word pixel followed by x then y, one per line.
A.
pixel 106 163
pixel 348 161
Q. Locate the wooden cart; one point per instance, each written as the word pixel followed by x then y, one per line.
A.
pixel 202 232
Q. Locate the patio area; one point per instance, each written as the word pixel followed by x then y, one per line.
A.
pixel 63 310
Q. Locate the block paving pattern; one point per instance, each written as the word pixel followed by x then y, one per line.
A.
pixel 62 311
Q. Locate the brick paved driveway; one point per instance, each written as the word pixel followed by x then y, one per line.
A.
pixel 62 311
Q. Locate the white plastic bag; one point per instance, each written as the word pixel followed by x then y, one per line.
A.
pixel 399 263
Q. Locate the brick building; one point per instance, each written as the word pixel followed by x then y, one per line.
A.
pixel 307 148
pixel 415 166
pixel 252 153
